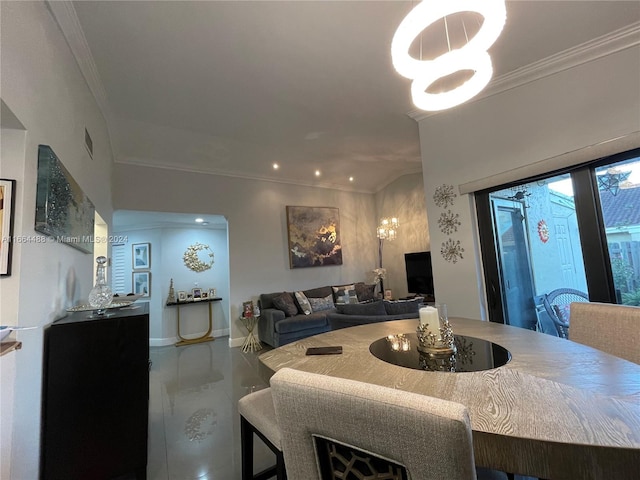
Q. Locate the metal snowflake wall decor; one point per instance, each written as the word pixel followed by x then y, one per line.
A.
pixel 451 250
pixel 444 196
pixel 448 222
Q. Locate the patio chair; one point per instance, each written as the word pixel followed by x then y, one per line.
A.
pixel 557 305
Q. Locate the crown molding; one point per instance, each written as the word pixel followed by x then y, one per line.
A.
pixel 202 171
pixel 613 42
pixel 66 17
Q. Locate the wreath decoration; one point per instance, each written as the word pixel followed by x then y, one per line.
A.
pixel 192 260
pixel 543 231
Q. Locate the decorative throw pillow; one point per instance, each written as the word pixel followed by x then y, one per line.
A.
pixel 285 302
pixel 364 292
pixel 319 304
pixel 402 307
pixel 303 303
pixel 369 309
pixel 343 290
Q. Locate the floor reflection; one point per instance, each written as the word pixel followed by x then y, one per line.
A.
pixel 194 430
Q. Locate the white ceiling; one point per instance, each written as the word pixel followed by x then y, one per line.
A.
pixel 232 87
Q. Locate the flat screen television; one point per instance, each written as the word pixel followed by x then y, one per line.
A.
pixel 419 273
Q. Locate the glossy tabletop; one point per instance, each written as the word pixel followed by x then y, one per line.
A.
pixel 557 410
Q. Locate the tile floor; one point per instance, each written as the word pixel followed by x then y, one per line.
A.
pixel 194 428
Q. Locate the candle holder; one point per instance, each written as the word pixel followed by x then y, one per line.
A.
pixel 429 342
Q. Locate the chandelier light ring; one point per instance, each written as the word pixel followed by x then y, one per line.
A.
pixel 430 11
pixel 472 56
pixel 480 63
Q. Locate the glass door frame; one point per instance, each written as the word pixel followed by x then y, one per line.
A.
pixel 593 240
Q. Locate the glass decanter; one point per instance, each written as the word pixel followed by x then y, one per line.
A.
pixel 100 296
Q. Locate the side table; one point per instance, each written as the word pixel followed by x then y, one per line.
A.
pixel 251 343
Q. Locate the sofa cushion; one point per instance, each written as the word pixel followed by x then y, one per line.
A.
pixel 373 308
pixel 320 304
pixel 342 290
pixel 402 307
pixel 285 302
pixel 320 292
pixel 365 292
pixel 303 303
pixel 301 322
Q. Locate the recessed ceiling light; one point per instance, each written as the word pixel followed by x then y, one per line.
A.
pixel 199 220
pixel 317 173
pixel 276 166
pixel 204 223
pixel 351 179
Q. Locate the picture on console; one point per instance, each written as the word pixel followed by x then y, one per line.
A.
pixel 314 236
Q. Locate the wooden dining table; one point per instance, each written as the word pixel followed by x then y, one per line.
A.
pixel 556 410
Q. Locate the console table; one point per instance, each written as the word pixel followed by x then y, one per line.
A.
pixel 207 337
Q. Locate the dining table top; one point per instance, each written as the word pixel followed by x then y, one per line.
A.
pixel 556 410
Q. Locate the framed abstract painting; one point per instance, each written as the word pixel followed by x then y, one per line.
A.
pixel 63 211
pixel 7 208
pixel 314 236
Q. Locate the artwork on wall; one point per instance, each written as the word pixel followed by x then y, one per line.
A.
pixel 141 282
pixel 141 256
pixel 63 211
pixel 314 236
pixel 198 257
pixel 7 208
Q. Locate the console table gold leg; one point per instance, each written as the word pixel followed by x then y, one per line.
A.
pixel 204 338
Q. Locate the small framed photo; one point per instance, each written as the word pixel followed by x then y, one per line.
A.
pixel 141 282
pixel 247 309
pixel 182 296
pixel 141 256
pixel 204 295
pixel 196 293
pixel 388 295
pixel 212 293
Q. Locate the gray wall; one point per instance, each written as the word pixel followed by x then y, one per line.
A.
pixel 43 88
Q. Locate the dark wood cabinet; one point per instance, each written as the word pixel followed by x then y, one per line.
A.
pixel 95 397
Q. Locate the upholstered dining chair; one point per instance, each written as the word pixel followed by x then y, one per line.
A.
pixel 333 428
pixel 614 329
pixel 258 417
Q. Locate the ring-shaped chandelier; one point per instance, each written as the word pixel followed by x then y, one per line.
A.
pixel 472 56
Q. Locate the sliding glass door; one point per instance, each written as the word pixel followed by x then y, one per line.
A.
pixel 571 236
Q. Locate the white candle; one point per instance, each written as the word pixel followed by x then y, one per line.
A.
pixel 429 316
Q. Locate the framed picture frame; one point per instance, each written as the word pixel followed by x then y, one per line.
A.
pixel 196 293
pixel 182 296
pixel 212 293
pixel 388 295
pixel 63 210
pixel 141 256
pixel 7 209
pixel 247 309
pixel 141 282
pixel 205 295
pixel 314 236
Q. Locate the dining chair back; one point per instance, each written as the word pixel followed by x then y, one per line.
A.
pixel 614 329
pixel 336 428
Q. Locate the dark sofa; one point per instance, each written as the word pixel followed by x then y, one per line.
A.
pixel 281 324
